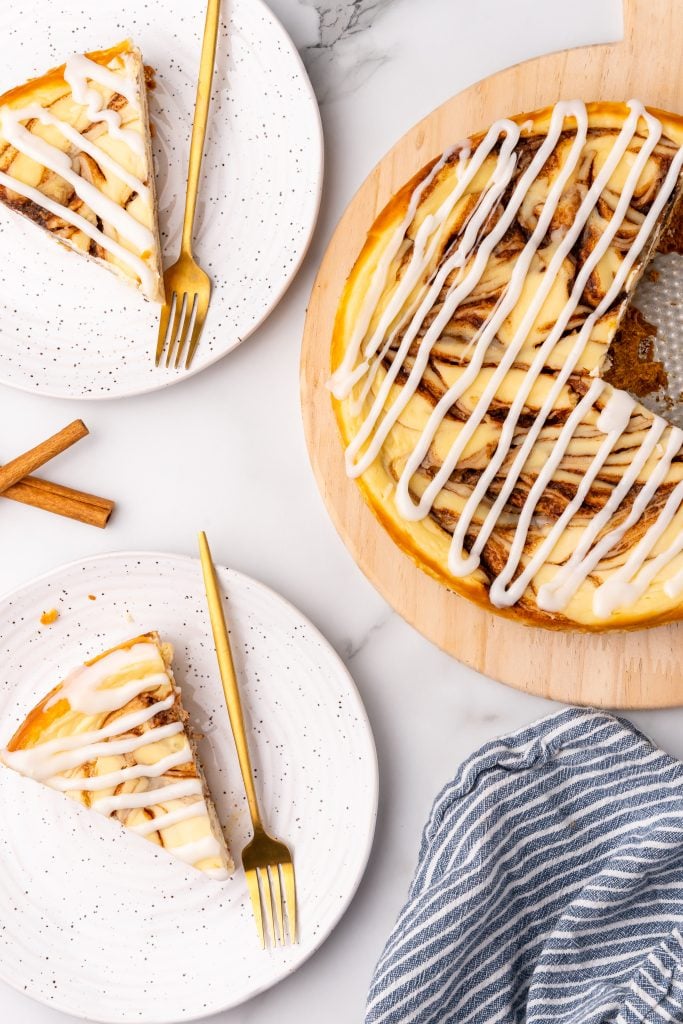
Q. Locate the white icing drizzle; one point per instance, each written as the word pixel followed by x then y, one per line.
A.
pixel 136 264
pixel 624 402
pixel 342 381
pixel 504 593
pixel 34 763
pixel 219 874
pixel 59 162
pixel 113 698
pixel 457 564
pixel 35 112
pixel 620 408
pixel 674 586
pixel 206 848
pixel 78 70
pixel 89 688
pixel 505 166
pixel 124 724
pixel 628 583
pixel 463 150
pixel 422 253
pixel 110 780
pixel 555 595
pixel 404 501
pixel 149 797
pixel 616 412
pixel 196 809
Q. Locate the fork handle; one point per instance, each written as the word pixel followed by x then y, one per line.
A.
pixel 229 678
pixel 201 117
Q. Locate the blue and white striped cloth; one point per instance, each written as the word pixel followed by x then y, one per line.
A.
pixel 549 888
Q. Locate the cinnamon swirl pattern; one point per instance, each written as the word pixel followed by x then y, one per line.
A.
pixel 469 353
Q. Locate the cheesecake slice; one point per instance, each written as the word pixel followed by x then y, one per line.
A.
pixel 114 736
pixel 76 159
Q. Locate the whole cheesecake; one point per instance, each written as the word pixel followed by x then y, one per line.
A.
pixel 471 365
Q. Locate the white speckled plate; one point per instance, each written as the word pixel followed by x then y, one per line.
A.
pixel 69 328
pixel 101 924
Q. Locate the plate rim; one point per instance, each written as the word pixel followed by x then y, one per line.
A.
pixel 359 706
pixel 279 293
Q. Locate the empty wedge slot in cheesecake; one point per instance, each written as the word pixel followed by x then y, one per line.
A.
pixel 646 357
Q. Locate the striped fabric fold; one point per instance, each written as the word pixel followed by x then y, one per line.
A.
pixel 549 886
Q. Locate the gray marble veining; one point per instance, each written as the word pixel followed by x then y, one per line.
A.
pixel 342 57
pixel 353 647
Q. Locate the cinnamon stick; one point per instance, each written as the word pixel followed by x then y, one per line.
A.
pixel 12 472
pixel 16 484
pixel 62 501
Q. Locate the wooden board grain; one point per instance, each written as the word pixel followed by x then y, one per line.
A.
pixel 618 670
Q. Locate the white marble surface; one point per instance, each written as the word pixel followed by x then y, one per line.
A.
pixel 229 457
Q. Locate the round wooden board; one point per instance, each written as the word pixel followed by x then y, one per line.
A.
pixel 618 670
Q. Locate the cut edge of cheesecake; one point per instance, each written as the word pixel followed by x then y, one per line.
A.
pixel 54 725
pixel 43 89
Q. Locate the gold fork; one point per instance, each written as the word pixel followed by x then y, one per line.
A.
pixel 188 288
pixel 267 863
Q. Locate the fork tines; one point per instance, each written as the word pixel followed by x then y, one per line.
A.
pixel 186 313
pixel 266 892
